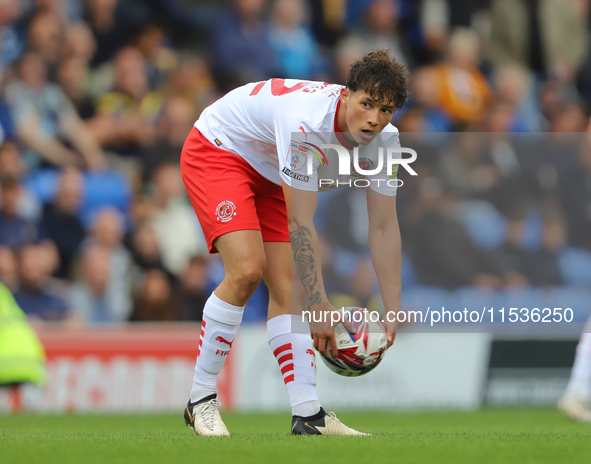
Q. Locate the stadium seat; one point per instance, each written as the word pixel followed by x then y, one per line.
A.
pixel 476 299
pixel 575 265
pixel 533 229
pixel 101 189
pixel 422 297
pixel 408 273
pixel 568 296
pixel 483 223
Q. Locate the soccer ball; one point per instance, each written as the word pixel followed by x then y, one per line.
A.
pixel 360 352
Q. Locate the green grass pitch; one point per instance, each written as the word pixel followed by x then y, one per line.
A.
pixel 488 436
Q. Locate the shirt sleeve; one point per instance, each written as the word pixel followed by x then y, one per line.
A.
pixel 299 154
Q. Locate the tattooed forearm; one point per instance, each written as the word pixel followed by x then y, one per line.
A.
pixel 303 256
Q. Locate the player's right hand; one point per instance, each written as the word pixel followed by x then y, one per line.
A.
pixel 323 331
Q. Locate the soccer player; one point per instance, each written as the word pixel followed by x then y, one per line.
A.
pixel 574 403
pixel 245 172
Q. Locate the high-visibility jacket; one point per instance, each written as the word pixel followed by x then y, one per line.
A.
pixel 22 358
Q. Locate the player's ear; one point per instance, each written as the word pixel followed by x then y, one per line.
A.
pixel 345 95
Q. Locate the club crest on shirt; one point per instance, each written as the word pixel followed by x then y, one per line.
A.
pixel 299 155
pixel 364 163
pixel 225 211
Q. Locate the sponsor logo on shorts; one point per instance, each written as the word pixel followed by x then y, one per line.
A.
pixel 295 175
pixel 225 211
pixel 217 142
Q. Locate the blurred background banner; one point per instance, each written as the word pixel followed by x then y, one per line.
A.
pixel 97 233
pixel 148 369
pixel 118 369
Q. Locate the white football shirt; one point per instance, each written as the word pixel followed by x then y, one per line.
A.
pixel 257 122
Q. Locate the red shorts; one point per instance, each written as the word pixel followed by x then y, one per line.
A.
pixel 229 195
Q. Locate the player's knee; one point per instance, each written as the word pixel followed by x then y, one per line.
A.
pixel 248 276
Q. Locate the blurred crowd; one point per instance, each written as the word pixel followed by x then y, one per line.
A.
pixel 97 97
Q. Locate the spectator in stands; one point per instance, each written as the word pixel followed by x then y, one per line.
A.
pixel 543 268
pixel 547 36
pixel 192 80
pixel 72 76
pixel 462 90
pixel 569 119
pixel 12 167
pixel 126 116
pixel 154 301
pixel 348 50
pixel 12 41
pixel 79 42
pixel 549 160
pixel 173 219
pixel 443 253
pixel 46 37
pixel 192 289
pixel 466 170
pixel 91 296
pixel 512 255
pixel 36 295
pixel 440 16
pixel 107 230
pixel 62 9
pixel 514 89
pixel 575 197
pixel 111 25
pixel 7 129
pixel 296 50
pixel 61 222
pixel 362 290
pixel 178 117
pixel 73 73
pixel 145 251
pixel 8 268
pixel 151 41
pixel 333 282
pixel 15 231
pixel 380 29
pixel 424 98
pixel 347 225
pixel 240 46
pixel 43 115
pixel 552 98
pixel 501 157
pixel 140 96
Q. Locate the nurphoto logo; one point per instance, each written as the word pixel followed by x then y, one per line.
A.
pixel 361 168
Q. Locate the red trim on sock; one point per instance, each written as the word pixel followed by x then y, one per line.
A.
pixel 287 368
pixel 203 324
pixel 289 378
pixel 282 348
pixel 284 358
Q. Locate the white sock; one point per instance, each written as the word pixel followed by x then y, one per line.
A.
pixel 295 354
pixel 219 327
pixel 580 377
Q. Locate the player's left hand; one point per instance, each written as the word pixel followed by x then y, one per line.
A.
pixel 391 329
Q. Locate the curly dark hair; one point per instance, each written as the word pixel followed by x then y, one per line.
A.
pixel 381 76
